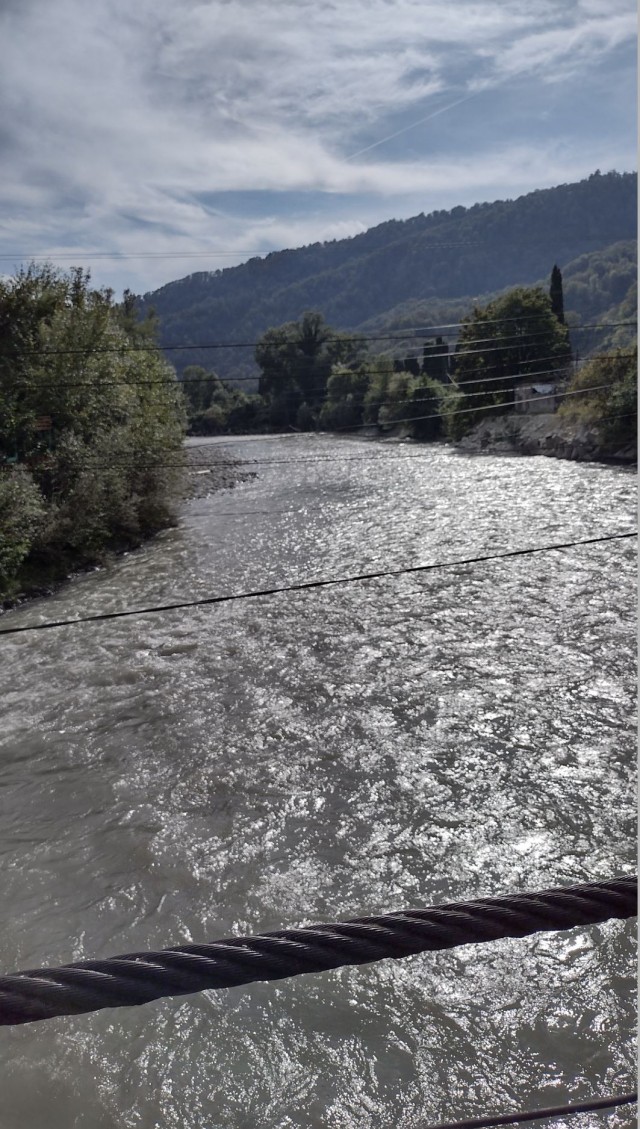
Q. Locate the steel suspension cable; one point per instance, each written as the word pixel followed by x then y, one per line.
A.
pixel 138 978
pixel 586 1106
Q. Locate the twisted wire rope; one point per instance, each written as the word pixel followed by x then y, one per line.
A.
pixel 138 978
pixel 587 1106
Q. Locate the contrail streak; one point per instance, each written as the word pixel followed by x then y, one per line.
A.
pixel 406 128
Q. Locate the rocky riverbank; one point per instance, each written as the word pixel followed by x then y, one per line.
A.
pixel 211 468
pixel 543 435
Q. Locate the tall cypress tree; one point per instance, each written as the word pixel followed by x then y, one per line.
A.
pixel 556 295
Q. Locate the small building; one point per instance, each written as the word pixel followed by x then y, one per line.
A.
pixel 535 399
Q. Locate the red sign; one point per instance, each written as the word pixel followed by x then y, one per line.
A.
pixel 43 423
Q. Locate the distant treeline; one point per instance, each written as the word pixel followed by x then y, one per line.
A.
pixel 314 378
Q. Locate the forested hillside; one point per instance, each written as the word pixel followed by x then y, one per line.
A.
pixel 600 286
pixel 429 267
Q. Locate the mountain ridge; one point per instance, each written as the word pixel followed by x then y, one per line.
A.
pixel 445 255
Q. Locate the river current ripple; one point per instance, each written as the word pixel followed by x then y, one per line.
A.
pixel 183 776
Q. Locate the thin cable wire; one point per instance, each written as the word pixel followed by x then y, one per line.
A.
pixel 485 407
pixel 382 403
pixel 393 422
pixel 587 1106
pixel 508 344
pixel 308 585
pixel 428 243
pixel 204 468
pixel 254 344
pixel 229 383
pixel 48 255
pixel 466 411
pixel 251 462
pixel 215 444
pixel 355 427
pixel 174 384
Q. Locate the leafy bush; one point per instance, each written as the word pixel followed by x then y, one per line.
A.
pixel 305 419
pixel 21 513
pixel 456 421
pixel 606 397
pixel 91 414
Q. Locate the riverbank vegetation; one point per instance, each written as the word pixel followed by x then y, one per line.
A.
pixel 313 378
pixel 91 419
pixel 607 397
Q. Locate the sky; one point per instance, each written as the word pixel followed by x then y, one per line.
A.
pixel 148 139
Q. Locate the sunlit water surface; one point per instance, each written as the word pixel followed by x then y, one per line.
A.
pixel 182 776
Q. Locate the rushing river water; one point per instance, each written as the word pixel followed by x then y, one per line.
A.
pixel 182 776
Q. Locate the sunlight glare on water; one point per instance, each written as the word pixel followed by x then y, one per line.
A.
pixel 315 755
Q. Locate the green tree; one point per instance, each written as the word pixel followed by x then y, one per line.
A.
pixel 344 404
pixel 21 513
pixel 556 295
pixel 296 360
pixel 305 419
pixel 91 416
pixel 381 371
pixel 435 359
pixel 200 388
pixel 423 410
pixel 606 397
pixel 452 405
pixel 398 391
pixel 512 337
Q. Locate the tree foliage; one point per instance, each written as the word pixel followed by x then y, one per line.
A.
pixel 608 397
pixel 511 338
pixel 90 414
pixel 296 361
pixel 214 407
pixel 556 294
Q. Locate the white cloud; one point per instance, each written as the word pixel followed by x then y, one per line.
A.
pixel 557 51
pixel 120 118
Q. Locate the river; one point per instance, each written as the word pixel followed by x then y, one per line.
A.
pixel 178 777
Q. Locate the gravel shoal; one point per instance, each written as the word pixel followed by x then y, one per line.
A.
pixel 209 470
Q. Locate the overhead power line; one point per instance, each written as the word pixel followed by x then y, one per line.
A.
pixel 80 253
pixel 175 384
pixel 308 585
pixel 257 437
pixel 250 462
pixel 252 344
pixel 51 256
pixel 522 338
pixel 482 407
pixel 359 426
pixel 423 449
pixel 46 256
pixel 428 244
pixel 172 383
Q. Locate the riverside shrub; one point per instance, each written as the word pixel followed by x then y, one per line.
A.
pixel 91 426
